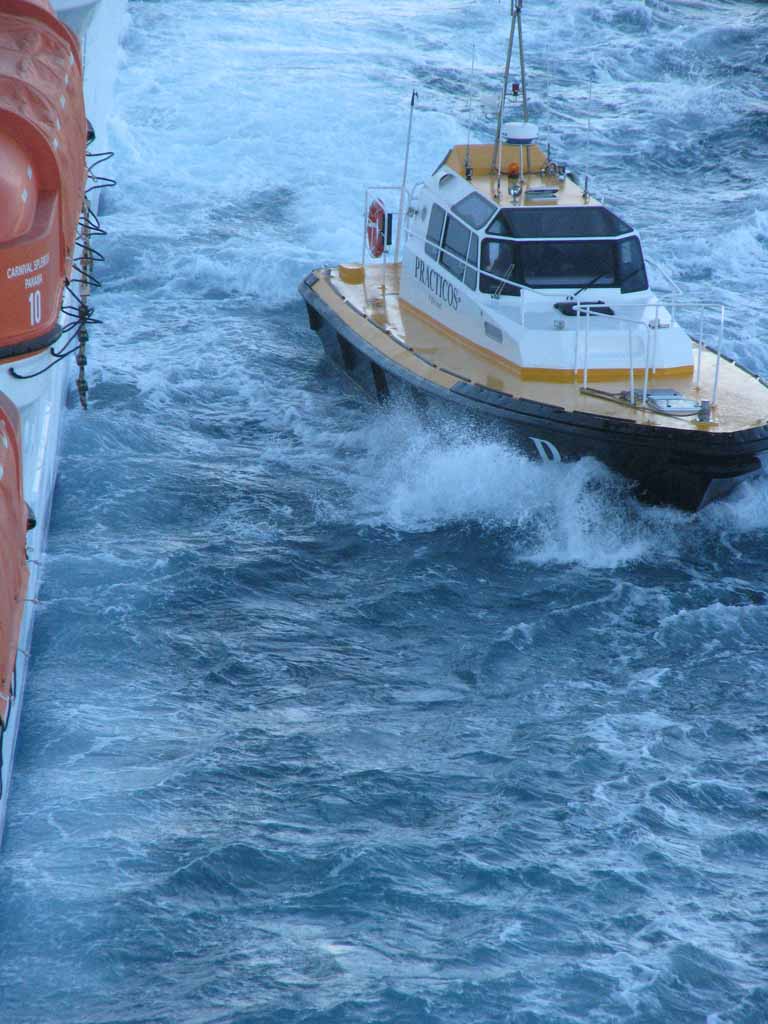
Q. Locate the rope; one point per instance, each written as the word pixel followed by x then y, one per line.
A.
pixel 81 314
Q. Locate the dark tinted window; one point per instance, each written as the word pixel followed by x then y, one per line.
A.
pixel 562 265
pixel 474 209
pixel 470 273
pixel 500 260
pixel 456 245
pixel 631 266
pixel 435 230
pixel 568 264
pixel 558 222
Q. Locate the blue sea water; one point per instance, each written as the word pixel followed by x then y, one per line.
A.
pixel 341 715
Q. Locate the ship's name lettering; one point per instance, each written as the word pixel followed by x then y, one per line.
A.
pixel 437 284
pixel 24 269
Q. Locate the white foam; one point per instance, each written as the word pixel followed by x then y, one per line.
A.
pixel 415 475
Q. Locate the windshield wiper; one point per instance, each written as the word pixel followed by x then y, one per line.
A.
pixel 506 278
pixel 590 283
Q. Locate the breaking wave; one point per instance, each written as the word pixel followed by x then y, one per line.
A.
pixel 340 714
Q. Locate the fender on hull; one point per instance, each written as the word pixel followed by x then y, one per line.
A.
pixel 685 471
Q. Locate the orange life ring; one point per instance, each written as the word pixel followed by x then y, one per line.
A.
pixel 377 219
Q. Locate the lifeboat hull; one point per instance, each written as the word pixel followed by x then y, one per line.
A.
pixel 686 471
pixel 43 133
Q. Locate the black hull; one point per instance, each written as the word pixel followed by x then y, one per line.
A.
pixel 686 469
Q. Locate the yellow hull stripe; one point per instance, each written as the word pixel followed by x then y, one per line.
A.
pixel 540 373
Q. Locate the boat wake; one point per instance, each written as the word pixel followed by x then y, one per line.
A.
pixel 353 714
pixel 411 474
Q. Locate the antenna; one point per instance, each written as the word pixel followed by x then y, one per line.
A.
pixel 585 194
pixel 548 129
pixel 467 160
pixel 522 58
pixel 414 97
pixel 516 9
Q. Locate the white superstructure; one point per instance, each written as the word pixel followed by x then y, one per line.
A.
pixel 509 270
pixel 99 25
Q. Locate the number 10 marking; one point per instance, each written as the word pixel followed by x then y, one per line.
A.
pixel 35 308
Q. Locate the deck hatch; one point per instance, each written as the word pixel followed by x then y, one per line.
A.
pixel 672 403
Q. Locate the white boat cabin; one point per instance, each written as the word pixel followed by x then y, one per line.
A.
pixel 528 265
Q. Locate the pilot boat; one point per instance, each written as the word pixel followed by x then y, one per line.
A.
pixel 48 196
pixel 513 292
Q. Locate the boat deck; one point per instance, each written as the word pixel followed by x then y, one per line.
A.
pixel 534 161
pixel 441 356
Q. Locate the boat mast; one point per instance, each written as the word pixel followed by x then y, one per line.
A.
pixel 516 13
pixel 523 84
pixel 401 210
pixel 468 154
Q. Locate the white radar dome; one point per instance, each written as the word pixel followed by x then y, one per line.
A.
pixel 520 133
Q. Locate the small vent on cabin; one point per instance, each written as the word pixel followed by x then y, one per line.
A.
pixel 494 332
pixel 541 194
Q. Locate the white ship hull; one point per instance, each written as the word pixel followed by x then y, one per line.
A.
pixel 99 25
pixel 41 403
pixel 41 400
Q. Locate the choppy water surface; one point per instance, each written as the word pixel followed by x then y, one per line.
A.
pixel 341 715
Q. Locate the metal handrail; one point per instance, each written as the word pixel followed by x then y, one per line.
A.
pixel 544 292
pixel 586 310
pixel 655 263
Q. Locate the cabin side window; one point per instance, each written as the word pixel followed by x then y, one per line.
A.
pixel 470 274
pixel 435 231
pixel 474 210
pixel 629 255
pixel 455 247
pixel 498 260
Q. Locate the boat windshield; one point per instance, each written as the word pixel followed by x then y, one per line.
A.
pixel 562 264
pixel 568 264
pixel 558 222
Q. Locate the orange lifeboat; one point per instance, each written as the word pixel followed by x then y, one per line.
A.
pixel 42 185
pixel 13 525
pixel 42 171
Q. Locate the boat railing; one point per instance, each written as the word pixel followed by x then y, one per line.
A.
pixel 652 318
pixel 670 280
pixel 644 327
